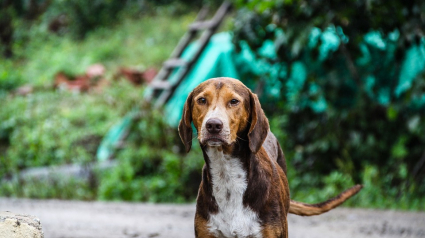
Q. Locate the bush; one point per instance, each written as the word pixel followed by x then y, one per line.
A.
pixel 55 128
pixel 349 94
pixel 80 17
pixel 49 127
pixel 58 128
pixel 10 78
pixel 153 165
pixel 132 42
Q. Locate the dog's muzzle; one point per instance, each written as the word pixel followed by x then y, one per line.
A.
pixel 213 136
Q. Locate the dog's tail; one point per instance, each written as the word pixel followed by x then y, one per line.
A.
pixel 303 209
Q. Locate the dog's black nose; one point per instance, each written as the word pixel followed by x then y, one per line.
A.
pixel 214 126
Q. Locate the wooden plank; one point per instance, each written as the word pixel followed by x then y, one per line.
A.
pixel 205 37
pixel 165 72
pixel 173 63
pixel 202 25
pixel 160 85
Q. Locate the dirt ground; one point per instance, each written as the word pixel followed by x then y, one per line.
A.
pixel 76 219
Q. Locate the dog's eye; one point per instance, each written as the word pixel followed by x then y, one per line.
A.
pixel 234 102
pixel 202 101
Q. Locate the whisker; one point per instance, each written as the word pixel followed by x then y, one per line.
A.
pixel 241 138
pixel 194 136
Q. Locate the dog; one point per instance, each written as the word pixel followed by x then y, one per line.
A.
pixel 244 190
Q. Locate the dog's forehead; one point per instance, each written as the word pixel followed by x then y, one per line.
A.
pixel 217 84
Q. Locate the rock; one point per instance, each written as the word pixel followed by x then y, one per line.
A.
pixel 19 226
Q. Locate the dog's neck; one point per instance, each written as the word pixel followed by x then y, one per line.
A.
pixel 221 161
pixel 228 181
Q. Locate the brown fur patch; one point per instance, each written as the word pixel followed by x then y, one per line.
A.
pixel 259 125
pixel 201 228
pixel 185 127
pixel 218 93
pixel 275 231
pixel 206 203
pixel 268 191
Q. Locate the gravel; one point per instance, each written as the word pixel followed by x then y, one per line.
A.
pixel 79 219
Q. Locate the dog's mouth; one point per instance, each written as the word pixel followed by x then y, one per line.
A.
pixel 214 141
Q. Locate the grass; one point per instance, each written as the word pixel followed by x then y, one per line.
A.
pixel 50 127
pixel 134 42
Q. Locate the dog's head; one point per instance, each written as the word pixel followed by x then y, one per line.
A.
pixel 223 109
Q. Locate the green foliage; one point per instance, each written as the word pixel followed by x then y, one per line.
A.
pixel 54 128
pixel 49 127
pixel 339 68
pixel 57 128
pixel 153 165
pixel 338 127
pixel 355 18
pixel 57 186
pixel 20 19
pixel 9 78
pixel 132 42
pixel 81 16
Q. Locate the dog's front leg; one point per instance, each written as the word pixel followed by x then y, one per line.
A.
pixel 201 228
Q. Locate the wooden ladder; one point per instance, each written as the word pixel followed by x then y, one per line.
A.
pixel 162 89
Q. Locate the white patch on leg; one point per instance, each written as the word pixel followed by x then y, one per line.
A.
pixel 229 184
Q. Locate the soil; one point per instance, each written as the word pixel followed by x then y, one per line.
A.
pixel 78 219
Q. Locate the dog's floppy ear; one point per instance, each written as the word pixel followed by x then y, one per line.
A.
pixel 185 127
pixel 259 125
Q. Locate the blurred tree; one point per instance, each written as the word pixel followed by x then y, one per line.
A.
pixel 352 110
pixel 84 16
pixel 76 17
pixel 6 30
pixel 355 18
pixel 9 10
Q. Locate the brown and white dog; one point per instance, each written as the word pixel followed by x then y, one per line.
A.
pixel 244 190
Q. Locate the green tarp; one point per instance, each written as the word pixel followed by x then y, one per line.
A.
pixel 220 59
pixel 217 60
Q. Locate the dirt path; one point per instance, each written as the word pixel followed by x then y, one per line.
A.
pixel 75 219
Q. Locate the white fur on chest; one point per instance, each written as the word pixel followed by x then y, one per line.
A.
pixel 229 184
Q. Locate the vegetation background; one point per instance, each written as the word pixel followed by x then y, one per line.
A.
pixel 361 140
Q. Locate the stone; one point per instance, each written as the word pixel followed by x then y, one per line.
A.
pixel 19 226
